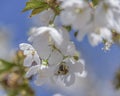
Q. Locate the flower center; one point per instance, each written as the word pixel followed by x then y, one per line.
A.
pixel 45 62
pixel 63 69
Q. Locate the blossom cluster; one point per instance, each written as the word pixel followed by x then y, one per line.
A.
pixel 52 57
pixel 97 22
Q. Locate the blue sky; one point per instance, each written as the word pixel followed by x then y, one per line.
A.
pixel 103 64
pixel 12 17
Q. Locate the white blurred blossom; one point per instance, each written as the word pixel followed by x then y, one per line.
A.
pixel 58 94
pixel 45 17
pixel 75 13
pixel 99 36
pixel 97 22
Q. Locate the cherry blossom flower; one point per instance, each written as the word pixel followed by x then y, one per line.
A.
pixel 45 17
pixel 68 70
pixel 40 68
pixel 30 53
pixel 42 73
pixel 101 35
pixel 75 13
pixel 60 51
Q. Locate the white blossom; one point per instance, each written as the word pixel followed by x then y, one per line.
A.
pixel 45 17
pixel 40 69
pixel 43 72
pixel 68 70
pixel 103 16
pixel 76 13
pixel 103 20
pixel 100 35
pixel 104 13
pixel 70 59
pixel 59 50
pixel 30 53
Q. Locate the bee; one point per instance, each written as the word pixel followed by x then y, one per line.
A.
pixel 63 69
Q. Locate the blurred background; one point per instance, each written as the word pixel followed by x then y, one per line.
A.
pixel 102 67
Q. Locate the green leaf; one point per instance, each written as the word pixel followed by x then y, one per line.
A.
pixel 5 65
pixel 33 5
pixel 38 10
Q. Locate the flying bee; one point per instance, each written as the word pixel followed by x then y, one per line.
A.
pixel 63 69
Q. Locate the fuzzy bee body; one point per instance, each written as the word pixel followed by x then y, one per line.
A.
pixel 63 69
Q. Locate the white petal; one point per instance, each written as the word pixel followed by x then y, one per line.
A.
pixel 40 80
pixel 106 14
pixel 71 50
pixel 66 40
pixel 67 17
pixel 37 32
pixel 48 71
pixel 25 46
pixel 65 34
pixel 72 60
pixel 28 60
pixel 33 70
pixel 78 67
pixel 44 18
pixel 36 58
pixel 83 74
pixel 55 58
pixel 70 15
pixel 41 45
pixel 56 36
pixel 106 33
pixel 94 39
pixel 69 80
